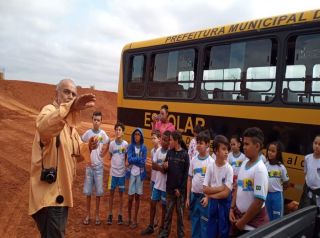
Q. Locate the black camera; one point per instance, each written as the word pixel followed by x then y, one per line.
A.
pixel 49 175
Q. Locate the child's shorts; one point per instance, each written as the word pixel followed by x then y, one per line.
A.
pixel 158 195
pixel 115 182
pixel 135 185
pixel 151 188
pixel 94 177
pixel 151 185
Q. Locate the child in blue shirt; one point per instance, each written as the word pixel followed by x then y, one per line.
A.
pixel 137 154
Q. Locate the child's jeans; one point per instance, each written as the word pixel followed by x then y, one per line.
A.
pixel 172 202
pixel 93 177
pixel 274 204
pixel 135 185
pixel 218 223
pixel 199 216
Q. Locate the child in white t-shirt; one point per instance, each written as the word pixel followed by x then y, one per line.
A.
pixel 192 149
pixel 158 192
pixel 196 200
pixel 235 157
pixel 218 186
pixel 278 180
pixel 311 193
pixel 248 204
pixel 94 170
pixel 155 138
pixel 118 154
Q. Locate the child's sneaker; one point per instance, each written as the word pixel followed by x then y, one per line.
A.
pixel 120 220
pixel 160 230
pixel 109 220
pixel 149 230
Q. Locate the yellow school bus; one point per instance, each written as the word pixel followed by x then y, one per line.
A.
pixel 264 73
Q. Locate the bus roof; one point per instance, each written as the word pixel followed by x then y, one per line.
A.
pixel 263 23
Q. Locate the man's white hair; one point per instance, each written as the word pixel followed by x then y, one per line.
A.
pixel 64 81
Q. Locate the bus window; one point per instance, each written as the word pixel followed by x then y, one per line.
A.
pixel 256 80
pixel 316 83
pixel 302 73
pixel 135 83
pixel 241 71
pixel 173 74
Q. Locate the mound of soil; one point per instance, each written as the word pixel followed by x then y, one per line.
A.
pixel 20 103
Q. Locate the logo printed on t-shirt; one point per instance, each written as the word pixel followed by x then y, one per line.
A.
pixel 121 150
pixel 274 174
pixel 201 171
pixel 246 184
pixel 238 163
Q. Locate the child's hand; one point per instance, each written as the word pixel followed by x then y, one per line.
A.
pixel 285 185
pixel 187 202
pixel 177 192
pixel 240 225
pixel 155 117
pixel 165 165
pixel 93 143
pixel 232 217
pixel 204 201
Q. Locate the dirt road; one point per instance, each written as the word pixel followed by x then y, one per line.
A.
pixel 18 109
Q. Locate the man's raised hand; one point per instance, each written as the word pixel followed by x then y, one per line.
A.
pixel 83 102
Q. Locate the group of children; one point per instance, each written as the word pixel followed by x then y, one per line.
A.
pixel 228 193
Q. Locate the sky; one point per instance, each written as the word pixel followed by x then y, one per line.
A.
pixel 46 41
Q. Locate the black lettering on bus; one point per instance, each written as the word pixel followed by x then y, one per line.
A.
pixel 316 15
pixel 243 26
pixel 302 163
pixel 259 24
pixel 206 33
pixel 173 39
pixel 281 19
pixel 185 36
pixel 179 38
pixel 199 34
pixel 213 31
pixel 190 37
pixel 233 28
pixel 292 19
pixel 301 17
pixel 290 161
pixel 221 31
pixel 274 21
pixel 267 22
pixel 252 25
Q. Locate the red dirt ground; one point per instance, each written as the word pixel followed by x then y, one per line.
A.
pixel 20 102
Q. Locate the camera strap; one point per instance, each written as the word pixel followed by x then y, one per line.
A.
pixel 57 146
